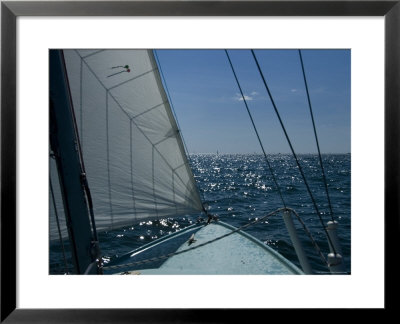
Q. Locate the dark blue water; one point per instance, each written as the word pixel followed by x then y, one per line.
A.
pixel 238 188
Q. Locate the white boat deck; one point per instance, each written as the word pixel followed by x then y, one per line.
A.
pixel 238 253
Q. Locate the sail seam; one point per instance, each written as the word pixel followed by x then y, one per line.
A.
pixel 131 160
pixel 105 88
pixel 179 166
pixel 185 184
pixel 173 192
pixel 186 197
pixel 148 110
pixel 155 148
pixel 91 54
pixel 108 162
pixel 132 79
pixel 164 139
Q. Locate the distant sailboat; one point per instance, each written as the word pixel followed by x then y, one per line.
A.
pixel 117 158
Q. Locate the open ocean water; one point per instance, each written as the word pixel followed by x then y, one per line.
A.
pixel 238 188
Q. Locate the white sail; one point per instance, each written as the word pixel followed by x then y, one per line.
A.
pixel 133 154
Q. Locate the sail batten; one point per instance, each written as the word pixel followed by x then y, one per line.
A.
pixel 134 156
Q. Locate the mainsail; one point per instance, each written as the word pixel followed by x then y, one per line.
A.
pixel 132 149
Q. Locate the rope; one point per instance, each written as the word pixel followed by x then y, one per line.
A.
pixel 255 129
pixel 66 269
pixel 166 256
pixel 293 152
pixel 316 138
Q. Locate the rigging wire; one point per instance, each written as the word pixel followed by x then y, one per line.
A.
pixel 169 98
pixel 316 137
pixel 177 123
pixel 255 129
pixel 293 152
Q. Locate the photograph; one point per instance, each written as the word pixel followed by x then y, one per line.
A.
pixel 200 161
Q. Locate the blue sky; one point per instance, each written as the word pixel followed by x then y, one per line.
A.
pixel 212 116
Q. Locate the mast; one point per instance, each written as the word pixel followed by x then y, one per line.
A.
pixel 64 144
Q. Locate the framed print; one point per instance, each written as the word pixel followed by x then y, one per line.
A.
pixel 364 33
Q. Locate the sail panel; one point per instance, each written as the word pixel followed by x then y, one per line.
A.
pixel 132 150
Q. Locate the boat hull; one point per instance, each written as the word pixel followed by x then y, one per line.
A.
pixel 220 249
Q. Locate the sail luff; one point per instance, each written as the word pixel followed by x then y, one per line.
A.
pixel 175 126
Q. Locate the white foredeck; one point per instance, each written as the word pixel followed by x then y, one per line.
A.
pixel 238 253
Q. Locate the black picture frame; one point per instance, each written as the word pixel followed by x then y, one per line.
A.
pixel 10 10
